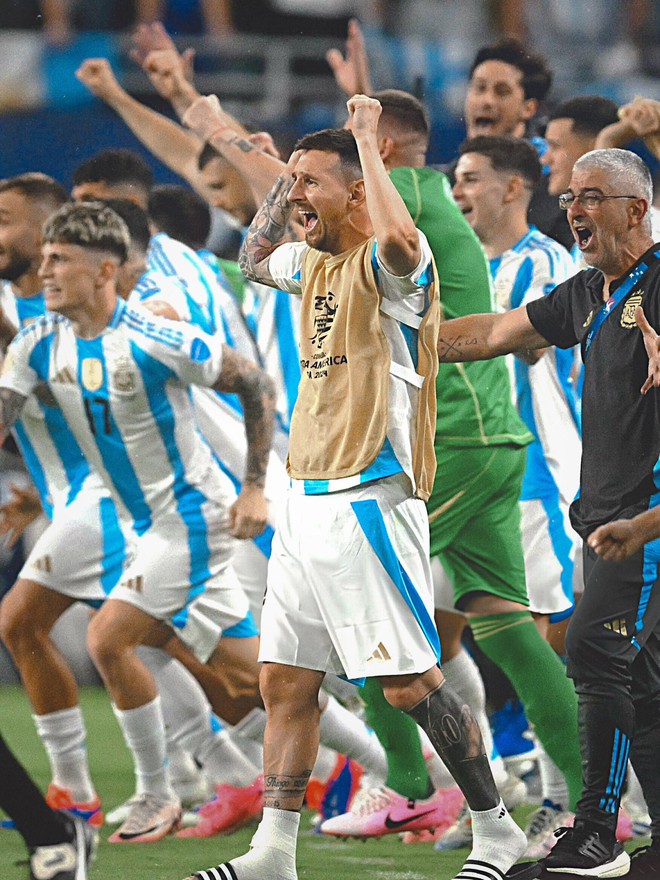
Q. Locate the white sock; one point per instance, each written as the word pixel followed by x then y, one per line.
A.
pixel 63 735
pixel 342 731
pixel 553 781
pixel 272 850
pixel 634 793
pixel 181 765
pixel 463 675
pixel 496 839
pixel 248 735
pixel 326 761
pixel 223 762
pixel 144 732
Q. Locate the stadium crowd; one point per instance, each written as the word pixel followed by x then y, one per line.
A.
pixel 414 401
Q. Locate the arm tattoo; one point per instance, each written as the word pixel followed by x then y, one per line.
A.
pixel 269 228
pixel 257 394
pixel 11 404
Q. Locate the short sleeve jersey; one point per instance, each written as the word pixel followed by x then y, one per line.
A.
pixel 475 405
pixel 125 397
pixel 620 426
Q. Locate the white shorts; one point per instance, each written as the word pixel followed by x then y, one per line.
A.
pixel 349 584
pixel 251 566
pixel 215 613
pixel 174 564
pixel 83 551
pixel 443 588
pixel 550 546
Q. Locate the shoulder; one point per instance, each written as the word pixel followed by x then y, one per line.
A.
pixel 151 331
pixel 43 327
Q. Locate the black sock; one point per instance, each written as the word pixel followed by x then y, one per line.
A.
pixel 22 800
pixel 455 735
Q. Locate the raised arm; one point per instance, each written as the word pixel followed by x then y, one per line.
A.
pixel 399 249
pixel 258 396
pixel 272 225
pixel 170 143
pixel 351 71
pixel 481 337
pixel 211 123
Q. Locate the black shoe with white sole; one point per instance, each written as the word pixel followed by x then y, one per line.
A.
pixel 587 852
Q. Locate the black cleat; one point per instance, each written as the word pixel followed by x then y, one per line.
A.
pixel 645 863
pixel 587 852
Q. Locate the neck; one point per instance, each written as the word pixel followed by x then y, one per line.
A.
pixel 625 260
pixel 28 284
pixel 503 236
pixel 88 323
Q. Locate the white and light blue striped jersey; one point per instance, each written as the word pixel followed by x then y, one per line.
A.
pixel 171 259
pixel 545 392
pixel 273 318
pixel 51 454
pixel 404 303
pixel 219 417
pixel 125 395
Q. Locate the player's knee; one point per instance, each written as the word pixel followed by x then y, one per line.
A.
pixel 103 644
pixel 16 628
pixel 284 691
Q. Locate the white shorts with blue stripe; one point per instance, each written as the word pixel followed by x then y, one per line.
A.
pixel 349 583
pixel 174 564
pixel 83 551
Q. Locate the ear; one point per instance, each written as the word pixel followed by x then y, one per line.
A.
pixel 530 106
pixel 515 189
pixel 356 194
pixel 385 147
pixel 638 211
pixel 107 271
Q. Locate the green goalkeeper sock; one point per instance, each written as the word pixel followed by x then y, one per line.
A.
pixel 399 736
pixel 538 676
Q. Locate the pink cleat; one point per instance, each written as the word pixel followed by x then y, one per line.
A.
pixel 229 810
pixel 381 811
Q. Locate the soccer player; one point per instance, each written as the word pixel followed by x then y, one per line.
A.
pixel 361 603
pixel 611 643
pixel 495 177
pixel 128 407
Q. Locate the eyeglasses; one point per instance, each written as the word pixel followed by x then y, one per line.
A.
pixel 588 201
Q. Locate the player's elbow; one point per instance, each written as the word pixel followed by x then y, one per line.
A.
pixel 400 252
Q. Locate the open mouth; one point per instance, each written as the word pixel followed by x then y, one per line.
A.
pixel 583 236
pixel 484 123
pixel 309 220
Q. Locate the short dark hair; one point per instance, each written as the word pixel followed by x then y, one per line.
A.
pixel 536 75
pixel 91 225
pixel 207 155
pixel 181 213
pixel 335 140
pixel 507 154
pixel 405 109
pixel 115 167
pixel 136 220
pixel 589 113
pixel 39 187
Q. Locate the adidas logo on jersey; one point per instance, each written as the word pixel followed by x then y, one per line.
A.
pixel 618 625
pixel 44 563
pixel 135 583
pixel 64 376
pixel 381 653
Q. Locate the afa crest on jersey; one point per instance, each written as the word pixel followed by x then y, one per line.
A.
pixel 91 371
pixel 628 312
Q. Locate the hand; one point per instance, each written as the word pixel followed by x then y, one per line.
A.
pixel 643 114
pixel 352 72
pixel 248 515
pixel 153 37
pixel 165 69
pixel 652 345
pixel 264 142
pixel 204 116
pixel 17 514
pixel 616 541
pixel 97 75
pixel 363 115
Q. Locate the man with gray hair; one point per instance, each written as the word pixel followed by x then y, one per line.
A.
pixel 613 648
pixel 120 377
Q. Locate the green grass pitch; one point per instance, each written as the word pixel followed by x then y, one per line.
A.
pixel 318 858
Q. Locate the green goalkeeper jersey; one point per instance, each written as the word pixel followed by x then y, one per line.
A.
pixel 475 406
